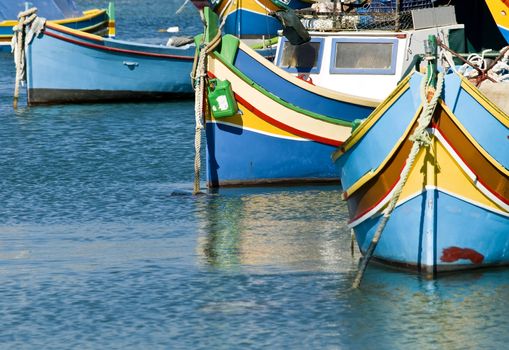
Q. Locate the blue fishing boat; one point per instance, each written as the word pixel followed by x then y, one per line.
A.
pixel 249 19
pixel 96 21
pixel 426 176
pixel 65 65
pixel 279 128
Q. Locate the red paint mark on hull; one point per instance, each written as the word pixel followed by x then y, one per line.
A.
pixel 453 254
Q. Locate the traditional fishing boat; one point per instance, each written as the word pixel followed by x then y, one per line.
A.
pixel 96 21
pixel 500 11
pixel 66 65
pixel 265 125
pixel 426 176
pixel 250 19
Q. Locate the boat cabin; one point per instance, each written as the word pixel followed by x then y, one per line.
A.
pixel 365 62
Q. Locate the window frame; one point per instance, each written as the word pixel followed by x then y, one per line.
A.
pixel 374 71
pixel 314 70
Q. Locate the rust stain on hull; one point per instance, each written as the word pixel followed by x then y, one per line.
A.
pixel 453 254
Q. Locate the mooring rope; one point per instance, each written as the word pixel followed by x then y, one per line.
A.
pixel 420 138
pixel 21 38
pixel 198 111
pixel 198 76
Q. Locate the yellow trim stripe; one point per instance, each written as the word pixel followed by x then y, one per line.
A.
pixel 251 121
pixel 8 23
pixel 500 12
pixel 67 30
pixel 249 5
pixel 58 24
pixel 436 167
pixel 87 15
pixel 485 154
pixel 374 172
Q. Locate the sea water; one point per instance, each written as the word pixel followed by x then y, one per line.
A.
pixel 103 247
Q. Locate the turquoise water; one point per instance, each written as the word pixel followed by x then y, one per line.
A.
pixel 101 245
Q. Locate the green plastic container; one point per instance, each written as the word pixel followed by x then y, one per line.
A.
pixel 221 100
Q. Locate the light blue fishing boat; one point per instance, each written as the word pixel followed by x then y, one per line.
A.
pixel 426 177
pixel 65 65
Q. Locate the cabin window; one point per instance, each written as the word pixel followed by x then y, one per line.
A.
pixel 305 58
pixel 364 56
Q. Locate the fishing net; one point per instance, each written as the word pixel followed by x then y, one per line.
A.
pixel 362 14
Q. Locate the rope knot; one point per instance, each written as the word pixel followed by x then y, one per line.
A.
pixel 422 138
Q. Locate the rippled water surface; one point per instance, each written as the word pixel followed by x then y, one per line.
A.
pixel 101 245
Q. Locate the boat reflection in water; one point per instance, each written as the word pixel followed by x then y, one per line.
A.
pixel 275 249
pixel 444 313
pixel 275 229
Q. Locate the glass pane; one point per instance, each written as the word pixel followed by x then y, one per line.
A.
pixel 300 56
pixel 364 55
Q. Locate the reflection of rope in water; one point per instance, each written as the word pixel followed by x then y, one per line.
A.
pixel 223 228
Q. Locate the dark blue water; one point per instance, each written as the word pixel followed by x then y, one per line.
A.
pixel 101 245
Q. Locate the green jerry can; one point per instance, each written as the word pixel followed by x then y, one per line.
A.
pixel 221 100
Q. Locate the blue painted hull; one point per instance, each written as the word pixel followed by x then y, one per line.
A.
pixel 418 238
pixel 236 156
pixel 63 67
pixel 244 23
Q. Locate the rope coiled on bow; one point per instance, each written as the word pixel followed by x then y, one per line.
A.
pixel 29 25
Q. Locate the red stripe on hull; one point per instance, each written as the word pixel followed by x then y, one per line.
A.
pixel 286 127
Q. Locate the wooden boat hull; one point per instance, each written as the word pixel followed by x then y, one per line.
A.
pixel 453 212
pixel 64 65
pixel 285 128
pixel 94 21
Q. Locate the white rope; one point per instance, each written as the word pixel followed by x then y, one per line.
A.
pixel 500 71
pixel 199 95
pixel 29 25
pixel 447 56
pixel 198 111
pixel 420 138
pixel 181 8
